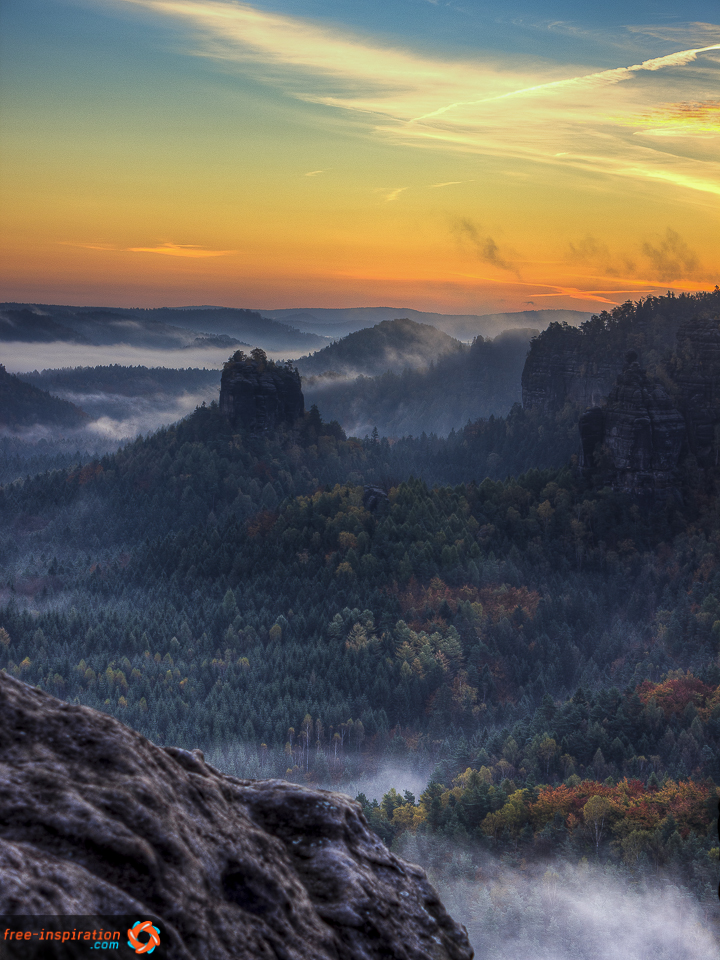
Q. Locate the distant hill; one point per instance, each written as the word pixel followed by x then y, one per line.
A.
pixel 469 383
pixel 25 324
pixel 342 321
pixel 162 329
pixel 250 326
pixel 391 345
pixel 92 326
pixel 23 406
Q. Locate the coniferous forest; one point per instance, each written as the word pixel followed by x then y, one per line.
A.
pixel 480 614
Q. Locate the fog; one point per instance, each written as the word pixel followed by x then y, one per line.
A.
pixel 21 357
pixel 534 909
pixel 375 785
pixel 395 360
pixel 118 417
pixel 555 910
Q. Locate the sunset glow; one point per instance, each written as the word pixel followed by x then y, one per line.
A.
pixel 256 155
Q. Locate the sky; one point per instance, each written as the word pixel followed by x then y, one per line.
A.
pixel 459 157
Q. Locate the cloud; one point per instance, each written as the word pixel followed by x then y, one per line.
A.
pixel 394 194
pixel 687 118
pixel 168 249
pixel 181 250
pixel 696 33
pixel 672 259
pixel 598 79
pixel 315 173
pixel 596 254
pixel 568 117
pixel 485 248
pixel 449 183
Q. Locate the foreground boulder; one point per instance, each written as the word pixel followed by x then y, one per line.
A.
pixel 96 820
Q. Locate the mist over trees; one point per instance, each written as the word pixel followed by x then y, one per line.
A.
pixel 539 649
pixel 480 380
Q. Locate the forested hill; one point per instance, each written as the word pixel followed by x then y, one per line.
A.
pixel 391 345
pixel 23 406
pixel 478 381
pixel 230 321
pixel 532 642
pixel 164 328
pixel 579 364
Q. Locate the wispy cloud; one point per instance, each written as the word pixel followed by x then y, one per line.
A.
pixel 315 173
pixel 391 195
pixel 672 258
pixel 449 183
pixel 181 250
pixel 696 33
pixel 691 119
pixel 592 252
pixel 484 247
pixel 531 112
pixel 167 249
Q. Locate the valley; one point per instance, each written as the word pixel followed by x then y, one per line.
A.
pixel 490 637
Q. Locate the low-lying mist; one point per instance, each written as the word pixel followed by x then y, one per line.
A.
pixel 18 357
pixel 478 381
pixel 118 417
pixel 517 909
pixel 557 910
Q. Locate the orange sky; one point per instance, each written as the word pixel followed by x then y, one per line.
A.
pixel 177 151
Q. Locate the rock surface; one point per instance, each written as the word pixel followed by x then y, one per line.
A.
pixel 95 819
pixel 640 432
pixel 552 378
pixel 258 395
pixel 695 369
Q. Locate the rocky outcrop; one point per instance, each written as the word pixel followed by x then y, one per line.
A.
pixel 96 820
pixel 695 371
pixel 579 365
pixel 553 377
pixel 258 395
pixel 373 497
pixel 638 434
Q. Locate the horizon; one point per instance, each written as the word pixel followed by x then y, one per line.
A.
pixel 467 160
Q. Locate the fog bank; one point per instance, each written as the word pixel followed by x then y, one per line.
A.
pixel 21 357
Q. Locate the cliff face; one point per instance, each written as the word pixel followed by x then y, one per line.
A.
pixel 259 395
pixel 647 424
pixel 640 432
pixel 695 370
pixel 96 820
pixel 580 364
pixel 553 378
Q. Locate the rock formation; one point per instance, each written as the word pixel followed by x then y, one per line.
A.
pixel 554 374
pixel 96 820
pixel 258 395
pixel 579 365
pixel 639 433
pixel 695 370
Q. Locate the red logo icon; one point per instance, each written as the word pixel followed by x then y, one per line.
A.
pixel 143 927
